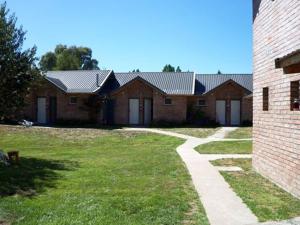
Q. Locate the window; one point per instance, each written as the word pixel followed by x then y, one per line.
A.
pixel 265 99
pixel 201 102
pixel 295 95
pixel 73 100
pixel 168 101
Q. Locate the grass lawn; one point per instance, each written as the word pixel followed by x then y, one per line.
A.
pixel 192 131
pixel 265 199
pixel 92 176
pixel 241 133
pixel 226 147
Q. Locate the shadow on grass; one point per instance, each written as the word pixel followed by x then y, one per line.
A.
pixel 32 176
pixel 87 126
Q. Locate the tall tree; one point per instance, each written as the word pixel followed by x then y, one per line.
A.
pixel 168 68
pixel 136 71
pixel 48 61
pixel 17 66
pixel 178 70
pixel 89 63
pixel 68 58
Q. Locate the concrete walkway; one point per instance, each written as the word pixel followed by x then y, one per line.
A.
pixel 222 205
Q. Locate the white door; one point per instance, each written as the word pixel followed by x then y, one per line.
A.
pixel 41 110
pixel 221 112
pixel 147 111
pixel 235 112
pixel 133 111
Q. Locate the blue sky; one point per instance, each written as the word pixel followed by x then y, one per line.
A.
pixel 198 35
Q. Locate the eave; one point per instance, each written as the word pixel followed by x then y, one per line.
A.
pixel 289 60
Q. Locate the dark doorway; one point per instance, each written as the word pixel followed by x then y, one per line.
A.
pixel 109 111
pixel 53 110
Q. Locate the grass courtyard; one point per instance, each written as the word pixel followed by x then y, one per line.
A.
pixel 226 147
pixel 266 200
pixel 241 133
pixel 92 176
pixel 193 131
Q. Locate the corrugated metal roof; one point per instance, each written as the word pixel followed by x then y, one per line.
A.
pixel 78 81
pixel 184 83
pixel 170 83
pixel 208 82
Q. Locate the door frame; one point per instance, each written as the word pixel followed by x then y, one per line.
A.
pixel 151 116
pixel 226 113
pixel 129 111
pixel 236 99
pixel 37 109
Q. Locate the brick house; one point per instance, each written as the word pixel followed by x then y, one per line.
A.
pixel 105 97
pixel 276 27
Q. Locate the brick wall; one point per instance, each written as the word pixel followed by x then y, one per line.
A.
pixel 176 112
pixel 136 90
pixel 65 110
pixel 161 112
pixel 276 132
pixel 229 91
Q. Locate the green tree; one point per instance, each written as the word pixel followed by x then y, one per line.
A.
pixel 136 71
pixel 68 58
pixel 48 61
pixel 178 70
pixel 168 68
pixel 17 66
pixel 89 63
pixel 219 72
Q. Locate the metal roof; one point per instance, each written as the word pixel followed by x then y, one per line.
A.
pixel 207 82
pixel 169 82
pixel 78 81
pixel 183 83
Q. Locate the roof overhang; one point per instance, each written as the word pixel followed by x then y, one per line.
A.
pixel 138 78
pixel 289 62
pixel 105 79
pixel 248 96
pixel 225 83
pixel 63 88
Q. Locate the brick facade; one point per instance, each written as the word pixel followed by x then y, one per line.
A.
pixel 176 112
pixel 228 91
pixel 65 110
pixel 276 132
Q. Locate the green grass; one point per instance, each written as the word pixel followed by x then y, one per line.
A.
pixel 226 147
pixel 192 131
pixel 265 199
pixel 241 133
pixel 90 176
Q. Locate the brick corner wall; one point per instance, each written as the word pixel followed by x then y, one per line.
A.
pixel 276 132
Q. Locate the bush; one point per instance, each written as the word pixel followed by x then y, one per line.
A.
pixel 167 123
pixel 74 123
pixel 247 123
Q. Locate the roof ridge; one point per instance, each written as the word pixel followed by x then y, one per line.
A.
pixel 224 74
pixel 75 70
pixel 155 72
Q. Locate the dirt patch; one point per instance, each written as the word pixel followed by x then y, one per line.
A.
pixel 3 222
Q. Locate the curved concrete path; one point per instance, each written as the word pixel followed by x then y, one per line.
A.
pixel 222 205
